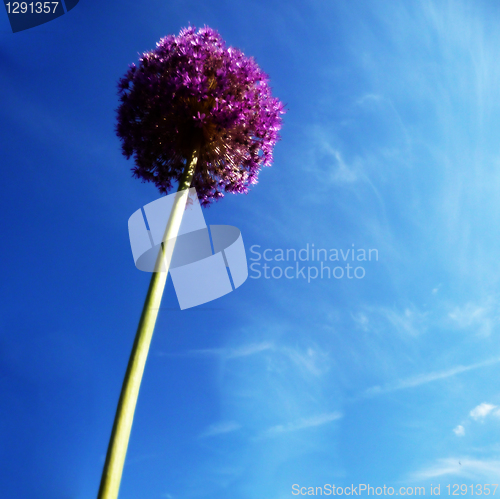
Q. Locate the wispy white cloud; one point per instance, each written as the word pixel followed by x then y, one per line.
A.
pixel 442 467
pixel 246 350
pixel 481 411
pixel 361 320
pixel 408 321
pixel 220 429
pixel 481 317
pixel 398 137
pixel 228 353
pixel 368 97
pixel 343 173
pixel 312 361
pixel 303 423
pixel 458 466
pixel 422 379
pixel 326 161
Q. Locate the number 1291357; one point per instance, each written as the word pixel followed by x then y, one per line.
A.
pixel 478 489
pixel 31 8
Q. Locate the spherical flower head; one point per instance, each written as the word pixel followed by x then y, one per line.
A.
pixel 192 93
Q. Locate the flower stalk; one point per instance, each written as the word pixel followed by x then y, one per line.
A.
pixel 120 434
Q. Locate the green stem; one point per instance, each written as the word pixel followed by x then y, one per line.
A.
pixel 117 449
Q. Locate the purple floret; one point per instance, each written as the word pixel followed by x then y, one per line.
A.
pixel 193 92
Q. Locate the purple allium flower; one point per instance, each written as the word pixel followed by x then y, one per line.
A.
pixel 192 92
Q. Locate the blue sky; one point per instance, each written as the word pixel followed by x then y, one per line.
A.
pixel 390 142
